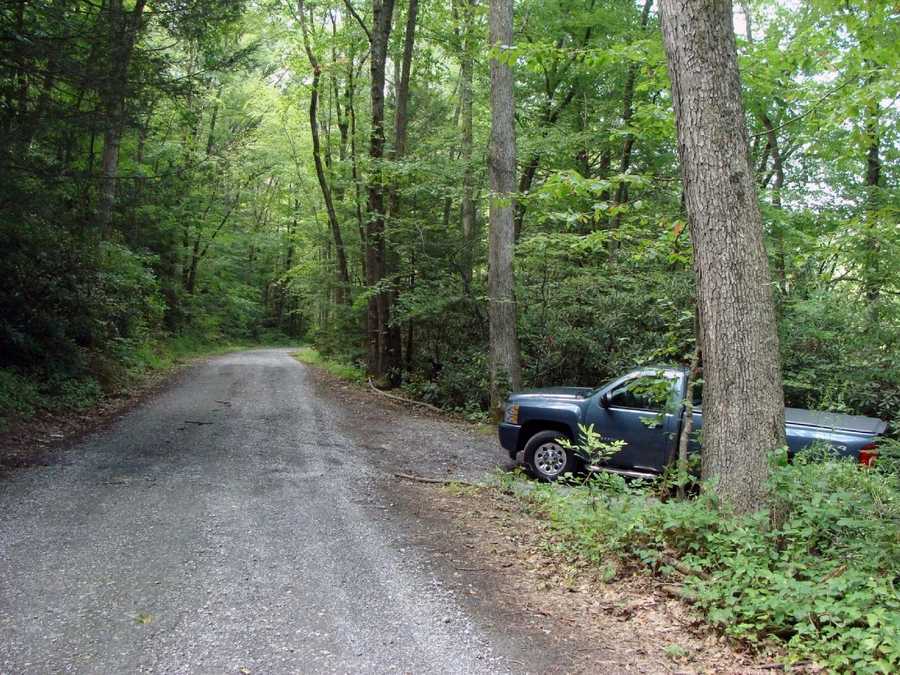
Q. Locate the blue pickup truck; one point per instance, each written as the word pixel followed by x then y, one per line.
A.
pixel 650 425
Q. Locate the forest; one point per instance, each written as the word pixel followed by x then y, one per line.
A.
pixel 320 171
pixel 455 199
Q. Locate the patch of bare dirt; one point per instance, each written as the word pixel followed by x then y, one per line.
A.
pixel 34 440
pixel 410 438
pixel 503 563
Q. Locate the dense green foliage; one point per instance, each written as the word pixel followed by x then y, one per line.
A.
pixel 216 225
pixel 821 585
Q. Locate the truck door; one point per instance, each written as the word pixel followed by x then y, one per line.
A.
pixel 637 419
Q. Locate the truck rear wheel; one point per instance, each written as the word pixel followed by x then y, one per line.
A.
pixel 546 458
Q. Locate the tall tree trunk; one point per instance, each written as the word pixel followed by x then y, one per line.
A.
pixel 401 116
pixel 342 292
pixel 380 360
pixel 743 406
pixel 123 29
pixel 349 94
pixel 394 336
pixel 466 144
pixel 778 229
pixel 504 342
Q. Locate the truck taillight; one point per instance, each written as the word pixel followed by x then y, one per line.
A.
pixel 868 454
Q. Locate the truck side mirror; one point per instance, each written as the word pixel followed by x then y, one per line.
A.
pixel 604 400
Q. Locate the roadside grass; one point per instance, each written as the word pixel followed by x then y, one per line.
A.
pixel 821 587
pixel 83 385
pixel 344 371
pixel 352 373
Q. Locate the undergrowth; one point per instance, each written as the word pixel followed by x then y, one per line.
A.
pixel 344 371
pixel 82 383
pixel 822 586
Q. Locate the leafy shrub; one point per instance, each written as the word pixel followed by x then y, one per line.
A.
pixel 19 396
pixel 459 384
pixel 344 371
pixel 821 584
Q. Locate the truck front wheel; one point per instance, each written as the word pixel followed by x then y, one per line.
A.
pixel 546 458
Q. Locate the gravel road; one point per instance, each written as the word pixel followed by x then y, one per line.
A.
pixel 238 522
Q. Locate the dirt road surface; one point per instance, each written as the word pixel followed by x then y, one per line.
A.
pixel 228 525
pixel 246 518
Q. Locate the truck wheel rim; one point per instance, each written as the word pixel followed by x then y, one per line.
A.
pixel 550 458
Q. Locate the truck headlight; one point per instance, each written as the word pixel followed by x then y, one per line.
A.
pixel 511 416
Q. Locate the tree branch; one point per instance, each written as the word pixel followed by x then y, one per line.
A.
pixel 359 20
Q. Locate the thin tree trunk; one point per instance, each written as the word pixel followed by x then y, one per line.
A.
pixel 380 360
pixel 123 29
pixel 871 275
pixel 505 368
pixel 342 294
pixel 468 191
pixel 349 94
pixel 743 407
pixel 394 337
pixel 687 425
pixel 627 113
pixel 778 228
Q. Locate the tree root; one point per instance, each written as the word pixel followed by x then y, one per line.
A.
pixel 435 481
pixel 673 562
pixel 679 593
pixel 405 400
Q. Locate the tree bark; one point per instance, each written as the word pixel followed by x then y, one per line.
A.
pixel 743 406
pixel 349 94
pixel 380 359
pixel 401 116
pixel 505 368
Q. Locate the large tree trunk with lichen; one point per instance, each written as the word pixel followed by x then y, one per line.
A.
pixel 504 342
pixel 743 407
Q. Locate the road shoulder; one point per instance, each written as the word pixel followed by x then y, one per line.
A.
pixel 502 563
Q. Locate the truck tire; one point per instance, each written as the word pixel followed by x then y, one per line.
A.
pixel 546 458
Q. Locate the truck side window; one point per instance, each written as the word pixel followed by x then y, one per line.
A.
pixel 624 396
